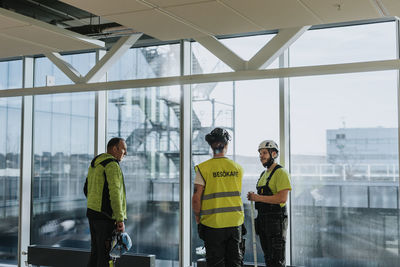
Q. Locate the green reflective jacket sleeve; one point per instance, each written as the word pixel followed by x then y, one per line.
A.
pixel 116 190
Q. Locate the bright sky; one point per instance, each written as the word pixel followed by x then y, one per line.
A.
pixel 318 103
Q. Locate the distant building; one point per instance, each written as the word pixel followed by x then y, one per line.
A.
pixel 362 146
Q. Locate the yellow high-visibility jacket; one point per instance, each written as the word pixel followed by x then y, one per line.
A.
pixel 221 204
pixel 105 188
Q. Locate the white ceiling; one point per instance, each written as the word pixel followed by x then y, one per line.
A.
pixel 21 35
pixel 180 19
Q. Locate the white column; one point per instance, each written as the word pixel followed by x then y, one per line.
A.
pixel 100 114
pixel 25 181
pixel 398 111
pixel 284 137
pixel 185 162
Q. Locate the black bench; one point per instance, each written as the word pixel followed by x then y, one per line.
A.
pixel 67 257
pixel 202 263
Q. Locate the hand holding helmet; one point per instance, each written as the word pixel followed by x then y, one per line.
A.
pixel 120 243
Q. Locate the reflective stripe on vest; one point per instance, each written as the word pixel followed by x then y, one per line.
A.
pixel 221 194
pixel 221 210
pixel 221 204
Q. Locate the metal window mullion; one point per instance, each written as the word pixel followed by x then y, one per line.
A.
pixel 25 184
pixel 397 33
pixel 185 162
pixel 100 114
pixel 284 136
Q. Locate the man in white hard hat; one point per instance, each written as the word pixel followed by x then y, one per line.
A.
pixel 273 188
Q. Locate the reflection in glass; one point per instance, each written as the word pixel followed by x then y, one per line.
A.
pixel 46 72
pixel 146 62
pixel 336 45
pixel 10 74
pixel 10 138
pixel 148 119
pixel 63 148
pixel 344 151
pixel 203 61
pixel 249 111
pixel 344 160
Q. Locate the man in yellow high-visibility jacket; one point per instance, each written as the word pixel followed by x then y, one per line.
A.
pixel 106 200
pixel 217 204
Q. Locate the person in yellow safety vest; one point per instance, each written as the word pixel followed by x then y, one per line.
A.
pixel 273 188
pixel 217 204
pixel 106 201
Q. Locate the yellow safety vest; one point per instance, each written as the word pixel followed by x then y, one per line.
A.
pixel 221 204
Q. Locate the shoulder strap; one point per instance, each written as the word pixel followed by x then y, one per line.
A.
pixel 272 173
pixel 104 164
pixel 106 161
pixel 270 176
pixel 93 160
pixel 261 175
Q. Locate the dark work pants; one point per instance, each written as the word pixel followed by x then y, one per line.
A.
pixel 222 246
pixel 272 229
pixel 100 233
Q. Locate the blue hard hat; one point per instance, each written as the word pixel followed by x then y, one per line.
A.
pixel 121 243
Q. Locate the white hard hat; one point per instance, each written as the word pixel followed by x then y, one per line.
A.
pixel 268 144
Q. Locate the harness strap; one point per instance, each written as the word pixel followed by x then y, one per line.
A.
pixel 269 177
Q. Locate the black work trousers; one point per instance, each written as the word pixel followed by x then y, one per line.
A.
pixel 222 246
pixel 272 228
pixel 101 234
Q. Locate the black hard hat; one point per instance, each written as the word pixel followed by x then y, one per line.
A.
pixel 218 135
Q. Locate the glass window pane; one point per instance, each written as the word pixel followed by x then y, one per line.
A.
pixel 149 120
pixel 203 61
pixel 11 74
pixel 344 152
pixel 247 47
pixel 249 111
pixel 366 42
pixel 46 73
pixel 63 148
pixel 10 138
pixel 146 62
pixel 344 158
